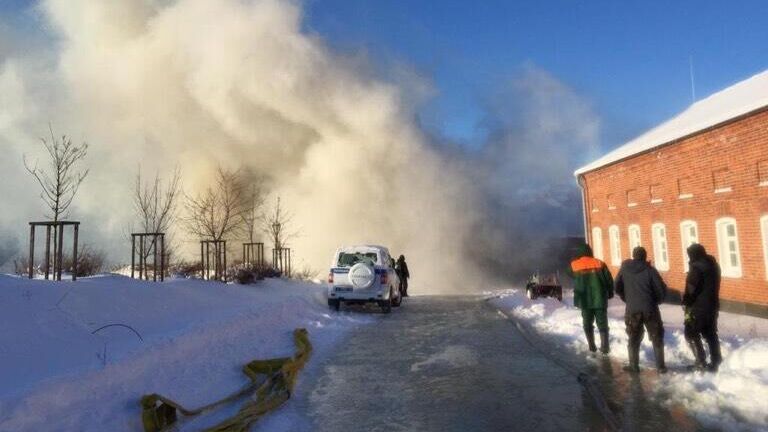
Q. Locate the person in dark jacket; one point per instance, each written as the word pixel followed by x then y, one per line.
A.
pixel 701 303
pixel 641 287
pixel 401 267
pixel 592 287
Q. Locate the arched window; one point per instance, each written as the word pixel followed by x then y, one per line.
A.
pixel 660 247
pixel 764 226
pixel 597 242
pixel 634 237
pixel 689 234
pixel 615 242
pixel 728 247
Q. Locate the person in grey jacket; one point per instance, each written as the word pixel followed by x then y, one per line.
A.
pixel 641 287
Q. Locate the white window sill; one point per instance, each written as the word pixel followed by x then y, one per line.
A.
pixel 734 275
pixel 612 208
pixel 723 190
pixel 632 205
pixel 656 200
pixel 763 183
pixel 685 196
pixel 595 210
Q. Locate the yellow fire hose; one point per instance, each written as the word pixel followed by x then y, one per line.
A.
pixel 271 383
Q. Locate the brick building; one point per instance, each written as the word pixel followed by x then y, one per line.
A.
pixel 700 177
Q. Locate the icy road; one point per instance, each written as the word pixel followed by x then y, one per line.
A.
pixel 456 364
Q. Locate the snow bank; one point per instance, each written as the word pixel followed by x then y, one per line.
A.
pixel 191 339
pixel 735 398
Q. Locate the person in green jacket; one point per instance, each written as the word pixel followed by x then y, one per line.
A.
pixel 592 287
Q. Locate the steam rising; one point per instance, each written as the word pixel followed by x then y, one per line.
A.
pixel 200 83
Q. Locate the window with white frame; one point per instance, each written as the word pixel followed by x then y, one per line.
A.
pixel 634 237
pixel 728 247
pixel 764 226
pixel 615 242
pixel 660 246
pixel 689 234
pixel 597 242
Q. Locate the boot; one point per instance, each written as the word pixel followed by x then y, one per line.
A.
pixel 658 352
pixel 714 352
pixel 604 343
pixel 634 359
pixel 698 353
pixel 591 340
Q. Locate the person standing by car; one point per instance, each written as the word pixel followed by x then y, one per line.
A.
pixel 401 268
pixel 592 287
pixel 701 303
pixel 641 287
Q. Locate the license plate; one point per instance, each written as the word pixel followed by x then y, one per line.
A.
pixel 343 289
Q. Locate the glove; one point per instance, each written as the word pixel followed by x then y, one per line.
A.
pixel 689 318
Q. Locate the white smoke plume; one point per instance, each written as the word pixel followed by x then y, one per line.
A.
pixel 198 83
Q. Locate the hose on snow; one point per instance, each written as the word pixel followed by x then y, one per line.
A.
pixel 271 384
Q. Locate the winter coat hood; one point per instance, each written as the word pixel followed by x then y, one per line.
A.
pixel 584 250
pixel 696 252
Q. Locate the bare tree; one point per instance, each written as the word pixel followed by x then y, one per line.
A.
pixel 218 211
pixel 277 226
pixel 60 180
pixel 252 214
pixel 155 204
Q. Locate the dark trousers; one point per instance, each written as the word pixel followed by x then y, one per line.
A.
pixel 590 316
pixel 704 326
pixel 637 322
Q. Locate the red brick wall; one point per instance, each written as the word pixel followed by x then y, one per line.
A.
pixel 697 162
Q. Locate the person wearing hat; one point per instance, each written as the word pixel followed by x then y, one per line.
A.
pixel 641 287
pixel 592 287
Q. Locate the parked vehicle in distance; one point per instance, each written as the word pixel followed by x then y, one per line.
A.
pixel 544 286
pixel 363 274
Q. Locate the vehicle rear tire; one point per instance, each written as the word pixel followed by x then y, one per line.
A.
pixel 334 304
pixel 397 302
pixel 386 305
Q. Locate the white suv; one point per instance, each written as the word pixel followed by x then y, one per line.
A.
pixel 363 274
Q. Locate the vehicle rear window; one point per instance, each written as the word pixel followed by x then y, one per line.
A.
pixel 348 259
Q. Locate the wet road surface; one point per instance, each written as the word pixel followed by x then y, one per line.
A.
pixel 455 364
pixel 446 364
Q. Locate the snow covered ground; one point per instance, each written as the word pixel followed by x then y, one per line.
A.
pixel 56 374
pixel 735 398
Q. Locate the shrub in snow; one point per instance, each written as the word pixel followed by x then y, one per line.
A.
pixel 245 276
pixel 90 261
pixel 186 270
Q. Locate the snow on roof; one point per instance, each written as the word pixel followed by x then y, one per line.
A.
pixel 739 99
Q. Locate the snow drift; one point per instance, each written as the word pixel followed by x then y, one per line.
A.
pixel 60 372
pixel 732 399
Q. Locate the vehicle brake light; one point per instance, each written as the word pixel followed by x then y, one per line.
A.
pixel 384 278
pixel 330 277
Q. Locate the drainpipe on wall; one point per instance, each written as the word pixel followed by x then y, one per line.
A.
pixel 583 185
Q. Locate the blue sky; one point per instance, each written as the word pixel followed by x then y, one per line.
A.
pixel 630 59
